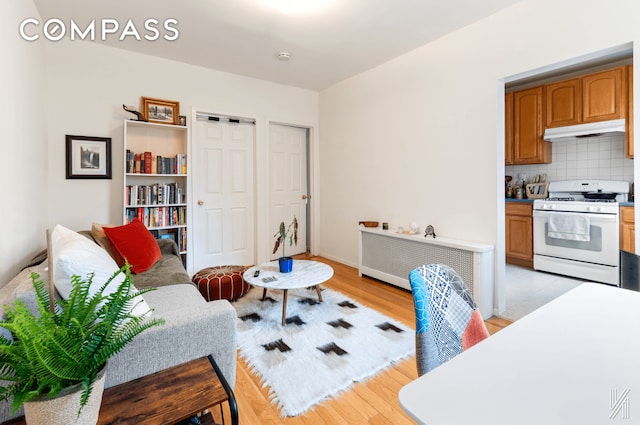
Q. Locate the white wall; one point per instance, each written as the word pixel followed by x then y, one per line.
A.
pixel 420 138
pixel 87 85
pixel 23 150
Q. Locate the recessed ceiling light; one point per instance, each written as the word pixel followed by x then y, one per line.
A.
pixel 284 56
pixel 296 6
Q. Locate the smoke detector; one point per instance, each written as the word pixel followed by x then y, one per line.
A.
pixel 284 56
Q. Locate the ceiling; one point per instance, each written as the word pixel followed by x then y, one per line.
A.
pixel 327 44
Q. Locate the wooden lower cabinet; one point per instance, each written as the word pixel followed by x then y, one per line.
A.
pixel 627 229
pixel 519 233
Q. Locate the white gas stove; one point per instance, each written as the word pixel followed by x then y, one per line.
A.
pixel 576 230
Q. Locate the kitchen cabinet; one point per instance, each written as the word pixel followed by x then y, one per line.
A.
pixel 629 141
pixel 528 145
pixel 508 129
pixel 519 233
pixel 599 96
pixel 627 229
pixel 604 95
pixel 563 103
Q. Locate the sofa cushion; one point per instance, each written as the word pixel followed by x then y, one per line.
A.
pixel 98 234
pixel 135 244
pixel 75 255
pixel 169 270
pixel 21 288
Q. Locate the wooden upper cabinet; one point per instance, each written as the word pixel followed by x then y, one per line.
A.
pixel 629 139
pixel 604 95
pixel 563 103
pixel 528 144
pixel 508 128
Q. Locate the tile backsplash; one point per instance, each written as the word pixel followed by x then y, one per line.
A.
pixel 599 158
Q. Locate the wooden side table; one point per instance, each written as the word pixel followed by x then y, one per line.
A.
pixel 168 396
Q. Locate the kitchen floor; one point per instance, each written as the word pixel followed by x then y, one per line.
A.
pixel 526 290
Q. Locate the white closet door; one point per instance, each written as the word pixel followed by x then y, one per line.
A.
pixel 288 186
pixel 223 189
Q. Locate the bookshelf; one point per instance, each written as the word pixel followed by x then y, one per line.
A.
pixel 156 178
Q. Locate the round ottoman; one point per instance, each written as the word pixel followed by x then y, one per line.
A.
pixel 221 282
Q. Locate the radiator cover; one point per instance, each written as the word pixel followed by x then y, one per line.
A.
pixel 390 256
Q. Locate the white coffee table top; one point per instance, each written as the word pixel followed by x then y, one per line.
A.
pixel 305 273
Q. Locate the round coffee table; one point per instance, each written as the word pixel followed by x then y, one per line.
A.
pixel 305 274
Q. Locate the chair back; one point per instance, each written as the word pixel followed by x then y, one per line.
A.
pixel 447 318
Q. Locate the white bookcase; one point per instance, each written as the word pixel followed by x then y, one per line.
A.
pixel 156 179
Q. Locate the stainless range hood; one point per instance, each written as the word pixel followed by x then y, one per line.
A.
pixel 585 130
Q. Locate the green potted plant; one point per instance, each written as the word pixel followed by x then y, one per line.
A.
pixel 286 232
pixel 59 349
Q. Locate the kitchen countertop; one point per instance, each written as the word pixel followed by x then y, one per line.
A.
pixel 622 204
pixel 518 200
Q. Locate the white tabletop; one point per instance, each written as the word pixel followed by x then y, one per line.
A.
pixel 305 273
pixel 569 362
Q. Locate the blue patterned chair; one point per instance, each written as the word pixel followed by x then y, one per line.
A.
pixel 447 319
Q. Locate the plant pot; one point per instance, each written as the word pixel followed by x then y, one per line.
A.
pixel 63 409
pixel 286 264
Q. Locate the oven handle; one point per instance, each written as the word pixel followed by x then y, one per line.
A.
pixel 596 217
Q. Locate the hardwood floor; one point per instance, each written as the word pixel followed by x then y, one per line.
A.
pixel 372 402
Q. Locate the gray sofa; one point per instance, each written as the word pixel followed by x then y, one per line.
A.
pixel 193 327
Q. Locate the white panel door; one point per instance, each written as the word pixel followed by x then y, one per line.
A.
pixel 288 188
pixel 223 190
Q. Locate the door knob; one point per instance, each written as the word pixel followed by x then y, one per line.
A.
pixel 305 197
pixel 200 202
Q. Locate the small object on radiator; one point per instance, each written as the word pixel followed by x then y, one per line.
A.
pixel 368 223
pixel 430 231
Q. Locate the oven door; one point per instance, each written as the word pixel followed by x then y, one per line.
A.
pixel 601 248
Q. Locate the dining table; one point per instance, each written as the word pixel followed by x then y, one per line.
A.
pixel 575 360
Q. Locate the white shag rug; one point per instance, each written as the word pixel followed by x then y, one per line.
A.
pixel 323 349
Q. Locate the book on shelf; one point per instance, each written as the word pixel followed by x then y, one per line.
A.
pixel 178 235
pixel 148 163
pixel 154 194
pixel 154 217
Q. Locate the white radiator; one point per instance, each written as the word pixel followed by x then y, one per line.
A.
pixel 390 256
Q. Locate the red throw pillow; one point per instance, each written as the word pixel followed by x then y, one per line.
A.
pixel 134 243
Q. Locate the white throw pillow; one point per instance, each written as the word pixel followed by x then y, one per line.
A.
pixel 74 254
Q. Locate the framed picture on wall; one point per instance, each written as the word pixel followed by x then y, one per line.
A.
pixel 88 157
pixel 160 111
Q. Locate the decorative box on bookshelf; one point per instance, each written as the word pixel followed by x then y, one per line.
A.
pixel 156 180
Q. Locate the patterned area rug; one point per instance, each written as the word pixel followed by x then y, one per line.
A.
pixel 323 349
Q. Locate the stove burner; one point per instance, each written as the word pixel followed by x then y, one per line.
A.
pixel 568 198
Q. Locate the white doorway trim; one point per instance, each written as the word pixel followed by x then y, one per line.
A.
pixel 597 56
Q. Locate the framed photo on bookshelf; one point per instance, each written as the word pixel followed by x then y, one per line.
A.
pixel 160 111
pixel 88 157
